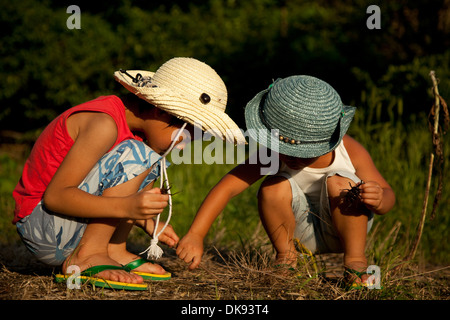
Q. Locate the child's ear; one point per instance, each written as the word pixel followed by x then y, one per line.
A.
pixel 158 111
pixel 150 110
pixel 161 114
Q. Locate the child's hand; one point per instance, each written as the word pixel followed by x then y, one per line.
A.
pixel 371 195
pixel 190 250
pixel 168 236
pixel 147 204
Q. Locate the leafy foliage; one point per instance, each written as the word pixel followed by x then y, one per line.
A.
pixel 47 68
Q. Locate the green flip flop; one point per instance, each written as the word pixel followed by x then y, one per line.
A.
pixel 146 275
pixel 349 285
pixel 88 276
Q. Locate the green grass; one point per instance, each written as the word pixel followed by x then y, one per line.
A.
pixel 10 171
pixel 401 153
pixel 239 218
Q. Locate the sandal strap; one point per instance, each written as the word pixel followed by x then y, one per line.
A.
pixel 97 269
pixel 353 271
pixel 135 264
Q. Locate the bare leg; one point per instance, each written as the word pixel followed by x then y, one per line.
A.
pixel 117 247
pixel 94 248
pixel 93 251
pixel 350 223
pixel 275 210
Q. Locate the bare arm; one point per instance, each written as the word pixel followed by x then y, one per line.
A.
pixel 190 248
pixel 94 134
pixel 376 193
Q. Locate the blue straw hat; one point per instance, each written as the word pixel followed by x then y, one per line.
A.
pixel 305 115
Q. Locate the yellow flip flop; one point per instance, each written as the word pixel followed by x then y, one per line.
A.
pixel 88 276
pixel 146 275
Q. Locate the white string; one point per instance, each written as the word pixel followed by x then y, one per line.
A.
pixel 154 251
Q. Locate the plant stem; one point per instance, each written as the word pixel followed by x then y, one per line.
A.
pixel 436 107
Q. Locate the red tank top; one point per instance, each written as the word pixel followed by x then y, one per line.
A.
pixel 52 146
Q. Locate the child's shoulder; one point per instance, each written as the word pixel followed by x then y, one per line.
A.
pixel 355 149
pixel 95 123
pixel 351 142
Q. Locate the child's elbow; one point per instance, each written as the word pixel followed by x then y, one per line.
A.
pixel 50 201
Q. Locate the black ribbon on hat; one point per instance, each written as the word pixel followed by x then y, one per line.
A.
pixel 135 80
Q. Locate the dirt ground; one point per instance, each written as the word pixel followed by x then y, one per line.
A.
pixel 222 275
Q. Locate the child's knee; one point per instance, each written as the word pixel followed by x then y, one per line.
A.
pixel 274 189
pixel 338 190
pixel 127 160
pixel 337 185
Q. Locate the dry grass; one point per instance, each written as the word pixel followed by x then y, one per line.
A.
pixel 243 269
pixel 244 274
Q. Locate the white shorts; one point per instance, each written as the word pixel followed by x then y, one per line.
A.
pixel 52 237
pixel 314 228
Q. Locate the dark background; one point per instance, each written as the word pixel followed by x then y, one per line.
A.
pixel 46 68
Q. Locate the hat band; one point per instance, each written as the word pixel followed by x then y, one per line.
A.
pixel 139 80
pixel 293 141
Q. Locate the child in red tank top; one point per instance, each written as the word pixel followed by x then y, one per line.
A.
pixel 89 177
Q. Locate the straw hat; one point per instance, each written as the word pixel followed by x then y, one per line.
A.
pixel 306 113
pixel 188 89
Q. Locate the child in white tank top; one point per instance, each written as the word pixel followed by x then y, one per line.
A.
pixel 309 179
pixel 308 198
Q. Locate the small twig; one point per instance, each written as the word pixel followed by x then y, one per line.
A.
pixel 209 272
pixel 435 111
pixel 412 253
pixel 220 255
pixel 420 274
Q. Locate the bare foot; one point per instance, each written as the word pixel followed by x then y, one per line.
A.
pixel 124 257
pixel 287 259
pixel 360 267
pixel 87 261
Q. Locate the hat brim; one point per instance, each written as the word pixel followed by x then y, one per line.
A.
pixel 212 120
pixel 269 137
